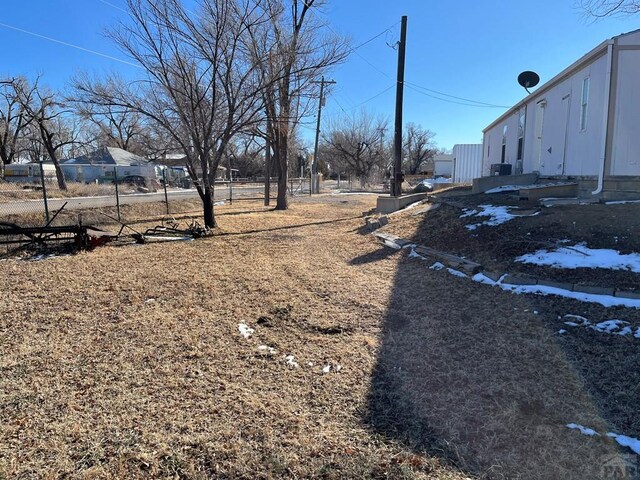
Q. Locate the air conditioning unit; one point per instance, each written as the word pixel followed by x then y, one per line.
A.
pixel 500 169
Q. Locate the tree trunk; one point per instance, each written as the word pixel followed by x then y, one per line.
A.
pixel 62 183
pixel 267 174
pixel 207 204
pixel 282 203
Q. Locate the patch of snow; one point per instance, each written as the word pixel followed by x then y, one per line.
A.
pixel 505 188
pixel 310 364
pixel 291 361
pixel 338 367
pixel 497 215
pixel 267 349
pixel 326 369
pixel 620 202
pixel 218 204
pixel 604 300
pixel 611 327
pixel 583 430
pixel 615 327
pixel 457 273
pixel 436 266
pixel 637 334
pixel 580 256
pixel 245 330
pixel 632 443
pixel 562 331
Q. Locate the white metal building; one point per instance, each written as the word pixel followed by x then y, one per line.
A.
pixel 467 162
pixel 581 124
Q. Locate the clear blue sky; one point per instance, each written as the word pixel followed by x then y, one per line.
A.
pixel 463 48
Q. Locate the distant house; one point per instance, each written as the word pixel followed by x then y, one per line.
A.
pixel 581 125
pixel 104 164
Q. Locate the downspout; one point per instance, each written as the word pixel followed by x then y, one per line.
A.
pixel 605 119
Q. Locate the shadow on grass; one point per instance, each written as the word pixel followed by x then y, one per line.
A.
pixel 286 227
pixel 374 256
pixel 470 374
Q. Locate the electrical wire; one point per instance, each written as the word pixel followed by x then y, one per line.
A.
pixel 67 44
pixel 452 101
pixel 482 104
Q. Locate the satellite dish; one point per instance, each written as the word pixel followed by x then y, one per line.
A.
pixel 528 80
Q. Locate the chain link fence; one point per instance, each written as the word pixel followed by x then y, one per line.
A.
pixel 39 201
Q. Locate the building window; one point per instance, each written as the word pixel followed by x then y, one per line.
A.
pixel 504 145
pixel 584 104
pixel 520 135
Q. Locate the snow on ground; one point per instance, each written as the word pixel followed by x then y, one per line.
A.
pixel 267 349
pixel 245 330
pixel 515 188
pixel 583 430
pixel 436 266
pixel 604 300
pixel 581 256
pixel 430 182
pixel 457 273
pixel 623 440
pixel 291 361
pixel 621 202
pixel 632 443
pixel 611 327
pixel 497 215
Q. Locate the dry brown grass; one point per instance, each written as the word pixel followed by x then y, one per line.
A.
pixel 127 363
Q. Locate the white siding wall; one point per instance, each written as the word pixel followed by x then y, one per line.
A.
pixel 564 149
pixel 493 144
pixel 467 162
pixel 625 152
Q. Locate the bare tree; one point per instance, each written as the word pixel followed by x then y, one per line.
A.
pixel 50 124
pixel 356 145
pixel 248 156
pixel 419 147
pixel 13 119
pixel 200 86
pixel 115 127
pixel 607 8
pixel 293 51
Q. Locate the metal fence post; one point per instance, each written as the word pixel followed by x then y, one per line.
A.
pixel 115 179
pixel 164 183
pixel 44 192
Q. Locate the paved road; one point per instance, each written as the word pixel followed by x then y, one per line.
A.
pixel 79 203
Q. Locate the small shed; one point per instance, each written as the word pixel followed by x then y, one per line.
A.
pixel 443 165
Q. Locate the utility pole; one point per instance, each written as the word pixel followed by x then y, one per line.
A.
pixel 314 165
pixel 396 185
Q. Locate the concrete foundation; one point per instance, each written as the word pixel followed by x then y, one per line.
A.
pixel 388 204
pixel 482 184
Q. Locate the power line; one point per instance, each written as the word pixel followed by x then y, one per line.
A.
pixel 452 101
pixel 483 104
pixel 374 97
pixel 67 44
pixel 372 38
pixel 114 6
